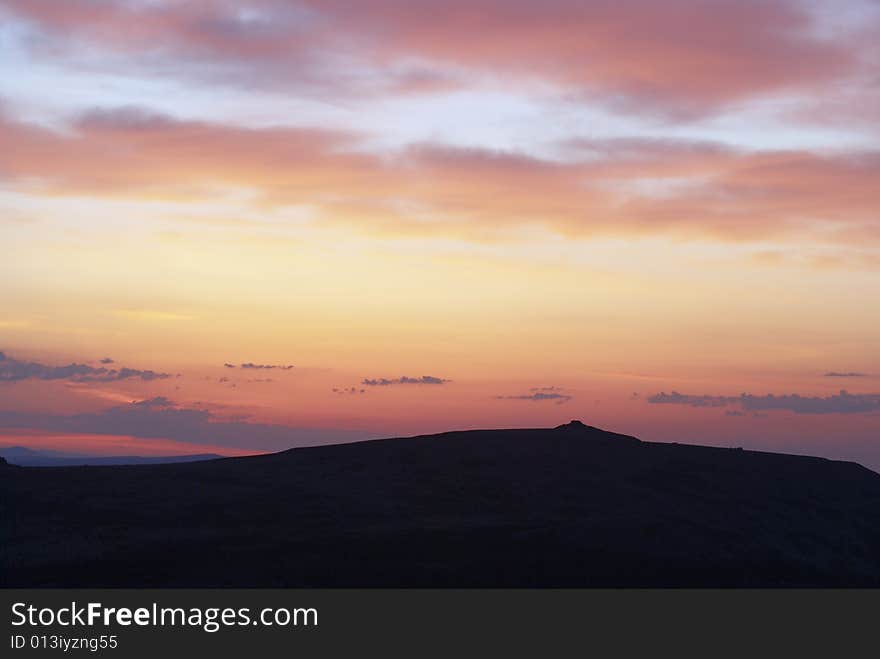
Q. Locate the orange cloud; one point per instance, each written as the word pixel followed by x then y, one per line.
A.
pixel 609 187
pixel 129 151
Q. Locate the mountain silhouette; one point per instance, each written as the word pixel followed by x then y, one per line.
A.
pixel 569 506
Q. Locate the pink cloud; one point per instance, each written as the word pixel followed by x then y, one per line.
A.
pixel 609 186
pixel 680 57
pixel 675 58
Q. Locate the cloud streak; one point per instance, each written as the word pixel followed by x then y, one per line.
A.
pixel 541 394
pixel 347 390
pixel 679 58
pixel 386 382
pixel 14 370
pixel 840 403
pixel 161 418
pixel 610 187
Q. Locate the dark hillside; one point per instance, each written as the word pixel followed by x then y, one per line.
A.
pixel 570 506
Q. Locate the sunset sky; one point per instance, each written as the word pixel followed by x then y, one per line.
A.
pixel 245 226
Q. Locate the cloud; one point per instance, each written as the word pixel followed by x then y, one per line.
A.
pixel 161 418
pixel 541 394
pixel 253 366
pixel 677 58
pixel 348 390
pixel 156 402
pixel 13 370
pixel 607 187
pixel 130 146
pixel 846 374
pixel 107 360
pixel 676 398
pixel 840 403
pixel 385 382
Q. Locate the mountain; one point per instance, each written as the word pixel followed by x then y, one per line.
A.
pixel 567 506
pixel 25 457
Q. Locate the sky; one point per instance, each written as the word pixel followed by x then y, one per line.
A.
pixel 246 226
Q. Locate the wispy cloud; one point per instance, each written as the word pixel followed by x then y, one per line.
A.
pixel 347 390
pixel 540 394
pixel 156 402
pixel 385 382
pixel 674 58
pixel 840 403
pixel 259 367
pixel 845 374
pixel 152 315
pixel 161 418
pixel 14 370
pixel 599 190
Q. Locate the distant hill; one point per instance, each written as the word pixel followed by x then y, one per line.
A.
pixel 568 506
pixel 26 457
